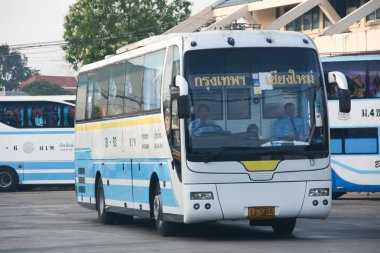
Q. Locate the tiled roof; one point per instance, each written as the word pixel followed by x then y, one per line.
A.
pixel 66 82
pixel 234 2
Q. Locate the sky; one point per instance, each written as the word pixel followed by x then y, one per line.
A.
pixel 40 21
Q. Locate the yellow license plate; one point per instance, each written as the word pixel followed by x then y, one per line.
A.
pixel 261 212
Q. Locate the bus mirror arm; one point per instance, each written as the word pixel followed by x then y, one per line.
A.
pixel 181 83
pixel 344 94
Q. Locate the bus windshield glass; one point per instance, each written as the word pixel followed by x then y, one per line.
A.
pixel 255 103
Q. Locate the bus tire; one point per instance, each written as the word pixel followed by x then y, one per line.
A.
pixel 164 228
pixel 284 226
pixel 8 179
pixel 104 216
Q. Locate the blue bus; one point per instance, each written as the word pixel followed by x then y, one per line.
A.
pixel 36 141
pixel 355 142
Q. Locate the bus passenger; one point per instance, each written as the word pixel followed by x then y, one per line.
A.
pixel 38 120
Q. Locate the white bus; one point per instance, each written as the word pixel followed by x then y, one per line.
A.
pixel 36 141
pixel 181 128
pixel 355 142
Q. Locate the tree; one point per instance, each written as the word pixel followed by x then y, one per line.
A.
pixel 96 28
pixel 43 87
pixel 13 68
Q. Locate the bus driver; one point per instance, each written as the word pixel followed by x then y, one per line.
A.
pixel 289 126
pixel 203 124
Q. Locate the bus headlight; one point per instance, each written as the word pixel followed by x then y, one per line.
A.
pixel 317 192
pixel 201 195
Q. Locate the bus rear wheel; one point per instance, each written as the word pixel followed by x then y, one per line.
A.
pixel 164 228
pixel 284 226
pixel 104 216
pixel 8 179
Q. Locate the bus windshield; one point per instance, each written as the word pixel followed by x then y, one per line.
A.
pixel 255 103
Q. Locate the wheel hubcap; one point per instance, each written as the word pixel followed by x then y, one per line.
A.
pixel 101 203
pixel 156 205
pixel 157 209
pixel 5 179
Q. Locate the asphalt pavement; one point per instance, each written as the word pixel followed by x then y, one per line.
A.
pixel 51 221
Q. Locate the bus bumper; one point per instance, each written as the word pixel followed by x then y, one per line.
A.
pixel 232 201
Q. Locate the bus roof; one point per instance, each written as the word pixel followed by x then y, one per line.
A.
pixel 209 40
pixel 37 98
pixel 350 58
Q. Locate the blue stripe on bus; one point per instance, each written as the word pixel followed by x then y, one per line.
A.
pixel 36 132
pixel 118 192
pixel 48 165
pixel 140 194
pixel 361 145
pixel 49 176
pixel 357 171
pixel 130 169
pixel 336 146
pixel 168 198
pixel 350 187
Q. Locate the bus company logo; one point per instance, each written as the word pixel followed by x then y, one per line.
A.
pixel 343 116
pixel 66 146
pixel 28 147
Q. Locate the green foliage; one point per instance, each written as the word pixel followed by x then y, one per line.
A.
pixel 43 87
pixel 13 68
pixel 96 28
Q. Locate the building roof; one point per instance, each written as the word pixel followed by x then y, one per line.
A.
pixel 234 2
pixel 66 82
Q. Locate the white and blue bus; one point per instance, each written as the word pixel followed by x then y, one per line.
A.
pixel 182 128
pixel 355 142
pixel 36 141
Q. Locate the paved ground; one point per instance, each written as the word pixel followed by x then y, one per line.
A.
pixel 51 221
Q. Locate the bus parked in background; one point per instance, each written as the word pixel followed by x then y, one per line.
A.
pixel 355 142
pixel 36 141
pixel 192 128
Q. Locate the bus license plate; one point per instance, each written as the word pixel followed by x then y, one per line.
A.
pixel 261 212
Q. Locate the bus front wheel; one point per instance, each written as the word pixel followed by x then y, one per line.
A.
pixel 164 228
pixel 284 226
pixel 104 216
pixel 8 179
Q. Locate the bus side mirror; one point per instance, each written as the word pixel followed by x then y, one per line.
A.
pixel 344 93
pixel 183 107
pixel 344 101
pixel 183 99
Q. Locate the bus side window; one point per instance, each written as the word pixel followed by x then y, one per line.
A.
pixel 3 109
pixel 81 97
pixel 101 93
pixel 71 116
pixel 176 142
pixel 133 85
pixel 90 99
pixel 68 116
pixel 374 79
pixel 153 68
pixel 11 115
pixel 116 90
